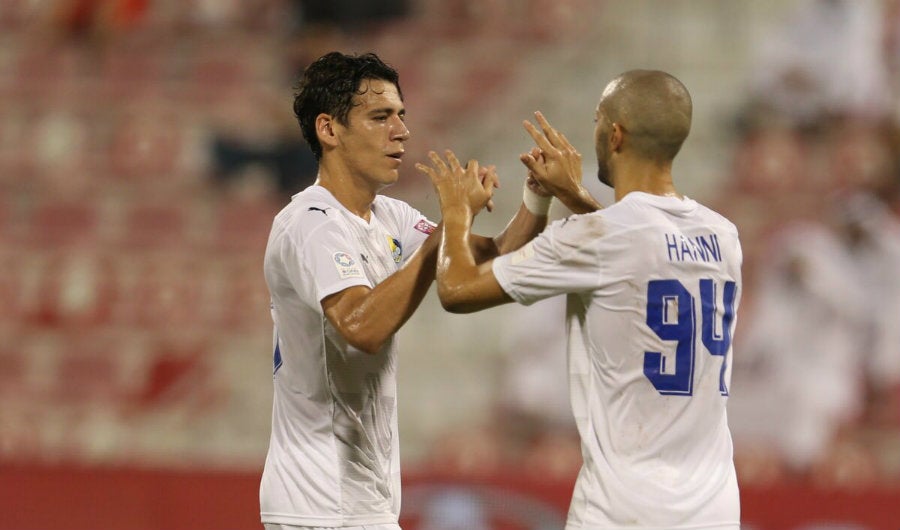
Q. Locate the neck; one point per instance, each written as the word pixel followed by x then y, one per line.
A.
pixel 643 175
pixel 355 196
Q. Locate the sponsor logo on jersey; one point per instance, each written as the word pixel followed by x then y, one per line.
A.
pixel 314 209
pixel 396 249
pixel 425 226
pixel 346 266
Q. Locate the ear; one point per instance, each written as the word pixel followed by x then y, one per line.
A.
pixel 325 130
pixel 617 138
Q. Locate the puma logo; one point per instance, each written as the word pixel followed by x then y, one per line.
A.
pixel 311 208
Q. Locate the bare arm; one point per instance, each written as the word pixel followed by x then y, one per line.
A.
pixel 522 227
pixel 464 285
pixel 366 317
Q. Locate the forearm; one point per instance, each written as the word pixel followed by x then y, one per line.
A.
pixel 464 285
pixel 456 259
pixel 368 319
pixel 529 221
pixel 522 228
pixel 578 200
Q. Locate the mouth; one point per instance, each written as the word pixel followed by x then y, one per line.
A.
pixel 398 156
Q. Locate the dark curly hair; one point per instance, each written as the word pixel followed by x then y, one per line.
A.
pixel 329 85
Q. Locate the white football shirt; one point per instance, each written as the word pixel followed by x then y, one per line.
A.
pixel 333 455
pixel 653 288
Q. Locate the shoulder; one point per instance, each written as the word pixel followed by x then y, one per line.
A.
pixel 402 214
pixel 577 232
pixel 391 205
pixel 718 218
pixel 308 211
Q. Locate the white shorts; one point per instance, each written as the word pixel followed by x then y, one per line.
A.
pixel 270 526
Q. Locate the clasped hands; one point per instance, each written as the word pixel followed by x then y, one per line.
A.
pixel 554 167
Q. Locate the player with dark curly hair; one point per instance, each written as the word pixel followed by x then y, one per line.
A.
pixel 346 267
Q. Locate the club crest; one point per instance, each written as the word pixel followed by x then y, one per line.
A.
pixel 396 249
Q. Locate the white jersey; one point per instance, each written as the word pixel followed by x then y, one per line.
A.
pixel 654 285
pixel 333 455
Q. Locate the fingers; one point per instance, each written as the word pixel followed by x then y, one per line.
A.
pixel 554 137
pixel 489 174
pixel 488 183
pixel 542 142
pixel 428 171
pixel 437 162
pixel 551 133
pixel 530 162
pixel 568 145
pixel 452 161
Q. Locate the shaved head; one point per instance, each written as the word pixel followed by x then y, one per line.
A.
pixel 653 108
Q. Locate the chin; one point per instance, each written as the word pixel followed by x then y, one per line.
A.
pixel 604 178
pixel 389 180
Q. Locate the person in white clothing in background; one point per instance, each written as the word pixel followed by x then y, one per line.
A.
pixel 653 285
pixel 345 268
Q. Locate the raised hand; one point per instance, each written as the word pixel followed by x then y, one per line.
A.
pixel 460 189
pixel 532 182
pixel 554 163
pixel 488 175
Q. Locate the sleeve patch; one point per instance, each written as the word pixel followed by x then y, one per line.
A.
pixel 346 266
pixel 425 226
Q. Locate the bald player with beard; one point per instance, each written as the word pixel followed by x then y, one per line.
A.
pixel 653 284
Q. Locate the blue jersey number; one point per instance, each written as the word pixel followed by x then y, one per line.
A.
pixel 672 315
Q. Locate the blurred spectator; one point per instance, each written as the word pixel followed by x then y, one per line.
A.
pixel 286 161
pixel 349 15
pixel 97 18
pixel 871 235
pixel 797 377
pixel 256 133
pixel 827 58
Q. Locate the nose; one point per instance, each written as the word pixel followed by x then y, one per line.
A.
pixel 399 130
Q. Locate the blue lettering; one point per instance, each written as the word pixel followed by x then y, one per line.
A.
pixel 686 249
pixel 710 246
pixel 672 245
pixel 698 248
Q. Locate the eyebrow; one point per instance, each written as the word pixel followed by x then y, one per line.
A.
pixel 387 110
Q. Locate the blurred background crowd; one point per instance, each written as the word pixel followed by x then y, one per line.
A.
pixel 145 146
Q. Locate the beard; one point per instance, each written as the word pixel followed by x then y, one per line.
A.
pixel 603 175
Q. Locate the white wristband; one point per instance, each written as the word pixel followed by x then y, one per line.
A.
pixel 536 204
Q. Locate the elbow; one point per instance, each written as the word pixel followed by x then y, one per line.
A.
pixel 363 340
pixel 368 346
pixel 453 300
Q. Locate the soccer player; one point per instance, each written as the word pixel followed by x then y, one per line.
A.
pixel 653 285
pixel 345 268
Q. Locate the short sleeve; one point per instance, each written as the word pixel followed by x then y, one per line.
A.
pixel 327 259
pixel 563 259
